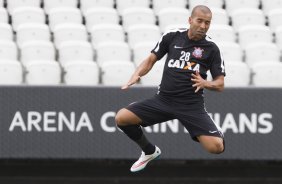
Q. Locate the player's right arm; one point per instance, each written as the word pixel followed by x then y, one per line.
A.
pixel 141 70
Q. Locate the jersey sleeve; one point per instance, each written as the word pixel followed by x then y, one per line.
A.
pixel 162 46
pixel 217 65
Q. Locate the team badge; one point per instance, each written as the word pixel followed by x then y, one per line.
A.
pixel 198 52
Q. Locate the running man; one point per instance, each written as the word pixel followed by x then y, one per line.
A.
pixel 190 54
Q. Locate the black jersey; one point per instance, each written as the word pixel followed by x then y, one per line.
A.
pixel 184 57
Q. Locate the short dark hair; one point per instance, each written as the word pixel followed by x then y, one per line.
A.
pixel 202 8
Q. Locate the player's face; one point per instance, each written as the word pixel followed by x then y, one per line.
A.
pixel 199 25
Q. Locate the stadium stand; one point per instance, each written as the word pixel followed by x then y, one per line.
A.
pixel 3 15
pixel 124 4
pixel 134 27
pixel 133 16
pixel 11 72
pixel 75 51
pixel 233 5
pixel 108 51
pixel 143 33
pixel 37 51
pixel 58 16
pixel 27 14
pixel 267 6
pixel 154 77
pixel 262 52
pixel 274 18
pixel 238 74
pixel 8 50
pixel 88 4
pixel 116 73
pixel 43 72
pixel 231 51
pixel 171 17
pixel 158 5
pixel 253 34
pixel 49 4
pixel 6 32
pixel 274 74
pixel 69 32
pixel 222 33
pixel 81 72
pixel 32 32
pixel 247 16
pixel 13 4
pixel 105 15
pixel 141 50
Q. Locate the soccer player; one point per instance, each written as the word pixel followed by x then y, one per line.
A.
pixel 190 54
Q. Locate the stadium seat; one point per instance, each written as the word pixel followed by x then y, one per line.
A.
pixel 143 33
pixel 270 5
pixel 133 16
pixel 106 32
pixel 262 52
pixel 162 4
pixel 72 51
pixel 31 32
pixel 172 16
pixel 13 4
pixel 69 32
pixel 43 73
pixel 61 15
pixel 124 4
pixel 154 76
pixel 24 15
pixel 210 4
pixel 37 50
pixel 8 50
pixel 231 51
pixel 278 36
pixel 219 17
pixel 11 73
pixel 222 33
pixel 238 74
pixel 6 32
pixel 116 73
pixel 247 16
pixel 274 18
pixel 253 34
pixel 81 73
pixel 108 51
pixel 141 51
pixel 233 5
pixel 95 16
pixel 267 74
pixel 49 4
pixel 4 18
pixel 88 4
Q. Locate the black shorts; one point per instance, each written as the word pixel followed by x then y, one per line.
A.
pixel 195 119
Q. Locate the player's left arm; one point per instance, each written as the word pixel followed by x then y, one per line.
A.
pixel 217 84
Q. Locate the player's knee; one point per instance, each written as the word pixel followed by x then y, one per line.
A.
pixel 125 117
pixel 216 147
pixel 119 118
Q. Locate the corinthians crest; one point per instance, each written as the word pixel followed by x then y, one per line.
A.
pixel 198 52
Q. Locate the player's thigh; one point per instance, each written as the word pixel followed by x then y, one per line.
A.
pixel 151 111
pixel 199 123
pixel 126 117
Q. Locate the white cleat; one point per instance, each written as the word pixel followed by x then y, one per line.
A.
pixel 144 160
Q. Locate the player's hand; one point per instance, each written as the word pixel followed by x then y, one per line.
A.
pixel 132 81
pixel 199 82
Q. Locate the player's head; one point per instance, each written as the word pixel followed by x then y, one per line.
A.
pixel 199 21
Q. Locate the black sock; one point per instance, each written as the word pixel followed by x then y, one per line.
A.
pixel 135 133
